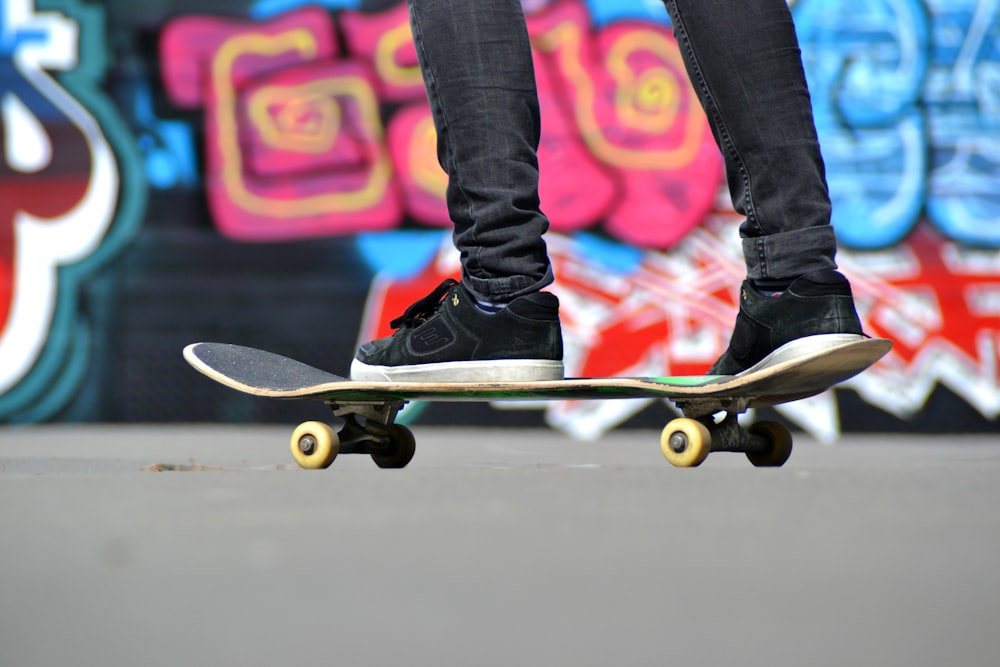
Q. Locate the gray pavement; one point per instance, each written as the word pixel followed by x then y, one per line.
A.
pixel 495 547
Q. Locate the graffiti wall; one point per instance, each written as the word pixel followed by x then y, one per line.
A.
pixel 264 172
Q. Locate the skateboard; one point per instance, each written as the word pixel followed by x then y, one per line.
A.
pixel 710 404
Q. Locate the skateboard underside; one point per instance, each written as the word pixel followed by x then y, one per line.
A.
pixel 370 408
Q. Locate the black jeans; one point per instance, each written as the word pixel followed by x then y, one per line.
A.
pixel 743 59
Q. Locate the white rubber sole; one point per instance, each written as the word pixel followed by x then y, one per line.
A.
pixel 507 370
pixel 801 347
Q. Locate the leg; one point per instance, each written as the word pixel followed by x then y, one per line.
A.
pixel 495 325
pixel 480 80
pixel 743 59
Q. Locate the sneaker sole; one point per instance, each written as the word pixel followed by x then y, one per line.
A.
pixel 507 370
pixel 801 347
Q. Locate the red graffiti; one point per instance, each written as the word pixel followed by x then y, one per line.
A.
pixel 48 185
pixel 296 147
pixel 672 314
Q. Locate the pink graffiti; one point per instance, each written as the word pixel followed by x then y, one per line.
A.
pixel 628 93
pixel 384 40
pixel 567 167
pixel 296 147
pixel 412 144
pixel 294 141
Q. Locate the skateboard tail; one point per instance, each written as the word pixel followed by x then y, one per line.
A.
pixel 253 371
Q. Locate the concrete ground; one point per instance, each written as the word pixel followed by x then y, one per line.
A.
pixel 495 547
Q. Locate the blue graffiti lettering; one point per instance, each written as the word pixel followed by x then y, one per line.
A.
pixel 866 63
pixel 962 98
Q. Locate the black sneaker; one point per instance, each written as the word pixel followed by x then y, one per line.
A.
pixel 814 313
pixel 447 337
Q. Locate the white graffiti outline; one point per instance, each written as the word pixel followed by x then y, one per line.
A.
pixel 43 245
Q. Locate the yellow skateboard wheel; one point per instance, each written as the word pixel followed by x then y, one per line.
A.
pixel 779 440
pixel 685 442
pixel 314 445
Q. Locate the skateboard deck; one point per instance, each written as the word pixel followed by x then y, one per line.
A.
pixel 370 408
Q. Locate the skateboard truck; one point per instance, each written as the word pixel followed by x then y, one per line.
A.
pixel 687 441
pixel 369 428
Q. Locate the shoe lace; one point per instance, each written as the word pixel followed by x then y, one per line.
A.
pixel 425 307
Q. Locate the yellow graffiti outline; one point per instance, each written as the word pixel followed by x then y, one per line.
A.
pixel 293 97
pixel 303 42
pixel 427 178
pixel 565 40
pixel 631 91
pixel 385 58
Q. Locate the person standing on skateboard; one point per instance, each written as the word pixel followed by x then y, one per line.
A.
pixel 497 324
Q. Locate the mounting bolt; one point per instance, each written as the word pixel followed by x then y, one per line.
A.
pixel 307 444
pixel 678 442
